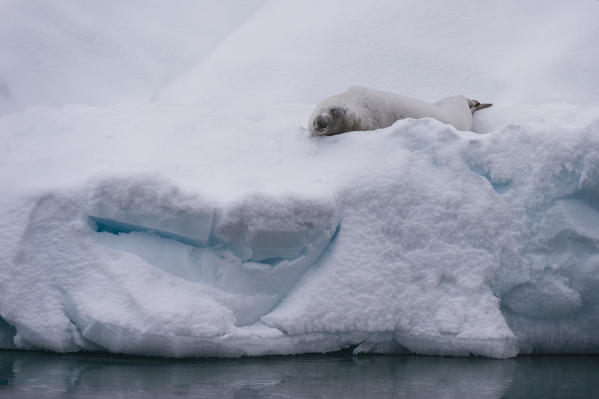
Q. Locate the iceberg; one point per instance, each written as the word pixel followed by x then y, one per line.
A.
pixel 203 220
pixel 410 248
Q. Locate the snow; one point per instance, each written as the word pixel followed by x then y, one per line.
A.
pixel 53 53
pixel 162 195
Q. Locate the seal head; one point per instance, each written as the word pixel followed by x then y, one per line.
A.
pixel 330 121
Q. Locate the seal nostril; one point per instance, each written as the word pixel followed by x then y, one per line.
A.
pixel 322 122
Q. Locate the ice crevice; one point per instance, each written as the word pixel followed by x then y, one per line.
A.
pixel 238 249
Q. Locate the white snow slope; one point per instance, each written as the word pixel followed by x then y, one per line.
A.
pixel 161 195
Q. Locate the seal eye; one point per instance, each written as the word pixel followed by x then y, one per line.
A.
pixel 335 113
pixel 321 121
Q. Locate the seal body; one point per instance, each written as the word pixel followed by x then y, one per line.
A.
pixel 360 108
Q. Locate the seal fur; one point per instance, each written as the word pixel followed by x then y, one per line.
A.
pixel 361 108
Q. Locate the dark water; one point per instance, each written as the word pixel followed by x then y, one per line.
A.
pixel 46 375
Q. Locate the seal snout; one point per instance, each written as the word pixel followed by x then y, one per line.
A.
pixel 322 121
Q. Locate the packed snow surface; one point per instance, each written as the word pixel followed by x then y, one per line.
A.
pixel 161 194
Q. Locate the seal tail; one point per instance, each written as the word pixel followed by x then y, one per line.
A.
pixel 475 105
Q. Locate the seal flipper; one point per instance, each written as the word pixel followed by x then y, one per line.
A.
pixel 475 105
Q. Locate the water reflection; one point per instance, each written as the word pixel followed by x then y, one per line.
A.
pixel 27 374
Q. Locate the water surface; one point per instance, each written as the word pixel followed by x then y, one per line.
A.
pixel 339 375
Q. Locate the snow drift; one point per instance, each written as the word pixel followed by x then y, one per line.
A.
pixel 208 222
